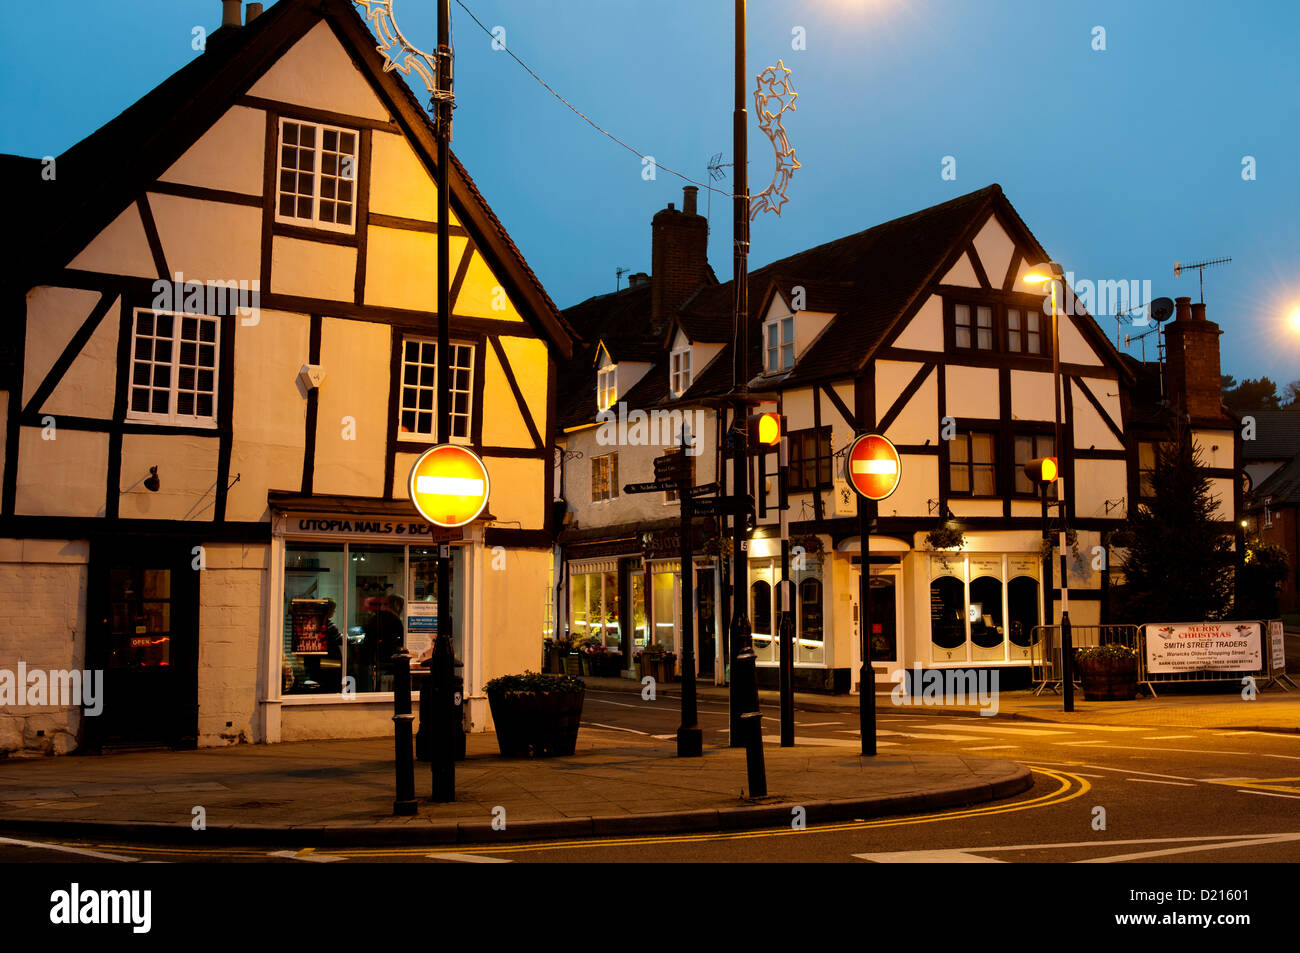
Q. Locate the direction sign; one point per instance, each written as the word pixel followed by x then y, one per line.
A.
pixel 722 506
pixel 659 486
pixel 449 485
pixel 704 489
pixel 873 467
pixel 672 465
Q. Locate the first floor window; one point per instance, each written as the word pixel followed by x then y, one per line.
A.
pixel 317 175
pixel 174 367
pixel 810 459
pixel 1023 334
pixel 604 477
pixel 418 413
pixel 1032 447
pixel 972 465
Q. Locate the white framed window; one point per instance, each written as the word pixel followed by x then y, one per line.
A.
pixel 417 415
pixel 679 372
pixel 778 345
pixel 174 368
pixel 606 386
pixel 604 477
pixel 316 185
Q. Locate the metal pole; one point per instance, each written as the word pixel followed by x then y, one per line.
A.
pixel 442 745
pixel 1067 646
pixel 690 739
pixel 404 803
pixel 746 720
pixel 866 675
pixel 785 601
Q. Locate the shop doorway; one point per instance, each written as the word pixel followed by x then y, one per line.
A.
pixel 142 633
pixel 886 619
pixel 705 622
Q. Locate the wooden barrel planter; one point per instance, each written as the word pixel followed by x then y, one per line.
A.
pixel 536 722
pixel 1108 679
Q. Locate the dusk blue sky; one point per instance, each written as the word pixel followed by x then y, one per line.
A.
pixel 1121 161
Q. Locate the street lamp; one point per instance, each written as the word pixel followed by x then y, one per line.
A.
pixel 1050 273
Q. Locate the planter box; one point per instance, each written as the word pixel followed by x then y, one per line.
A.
pixel 660 668
pixel 533 723
pixel 1109 679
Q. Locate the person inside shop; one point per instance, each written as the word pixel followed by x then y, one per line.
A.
pixel 385 634
pixel 331 669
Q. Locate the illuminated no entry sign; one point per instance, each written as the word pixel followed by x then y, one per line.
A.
pixel 873 466
pixel 449 485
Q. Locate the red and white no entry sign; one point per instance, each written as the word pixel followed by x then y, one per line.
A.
pixel 873 466
pixel 449 485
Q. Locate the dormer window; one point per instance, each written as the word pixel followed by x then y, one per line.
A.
pixel 778 345
pixel 606 386
pixel 679 372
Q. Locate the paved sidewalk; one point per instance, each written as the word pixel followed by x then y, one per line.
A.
pixel 337 792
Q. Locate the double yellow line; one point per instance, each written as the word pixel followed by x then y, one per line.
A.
pixel 1070 786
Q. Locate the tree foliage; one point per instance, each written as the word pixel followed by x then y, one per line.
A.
pixel 1250 394
pixel 1178 565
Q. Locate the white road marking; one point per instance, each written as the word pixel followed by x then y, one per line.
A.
pixel 1103 767
pixel 1294 797
pixel 832 742
pixel 1232 840
pixel 307 854
pixel 606 701
pixel 596 724
pixel 993 747
pixel 928 857
pixel 1177 784
pixel 1077 744
pixel 663 737
pixel 471 858
pixel 64 849
pixel 1005 730
pixel 928 736
pixel 1147 855
pixel 1165 737
pixel 1288 757
pixel 816 724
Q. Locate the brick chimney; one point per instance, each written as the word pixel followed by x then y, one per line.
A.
pixel 679 258
pixel 1192 361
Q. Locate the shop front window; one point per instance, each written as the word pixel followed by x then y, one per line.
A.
pixel 1022 604
pixel 806 613
pixel 947 617
pixel 811 646
pixel 664 603
pixel 348 608
pixel 612 631
pixel 315 649
pixel 640 624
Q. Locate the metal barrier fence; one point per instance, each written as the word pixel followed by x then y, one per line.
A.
pixel 1045 658
pixel 1045 650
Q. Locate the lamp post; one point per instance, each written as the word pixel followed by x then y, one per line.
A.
pixel 1051 273
pixel 745 718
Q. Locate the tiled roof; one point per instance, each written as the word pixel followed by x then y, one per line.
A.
pixel 1282 487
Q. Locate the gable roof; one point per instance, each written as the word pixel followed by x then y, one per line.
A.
pixel 1277 435
pixel 101 175
pixel 1282 487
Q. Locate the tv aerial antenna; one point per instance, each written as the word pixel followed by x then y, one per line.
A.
pixel 619 272
pixel 1159 310
pixel 715 167
pixel 1199 268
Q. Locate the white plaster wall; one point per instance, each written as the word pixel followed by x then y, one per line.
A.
pixel 1089 430
pixel 189 230
pixel 66 476
pixel 925 331
pixel 1097 481
pixel 89 386
pixel 962 274
pixel 356 358
pixel 972 391
pixel 1031 396
pixel 530 361
pixel 514 610
pixel 120 249
pixel 233 596
pixel 318 72
pixel 187 473
pixel 402 268
pixel 995 248
pixel 316 269
pixel 53 317
pixel 482 295
pixel 270 411
pixel 229 156
pixel 42 623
